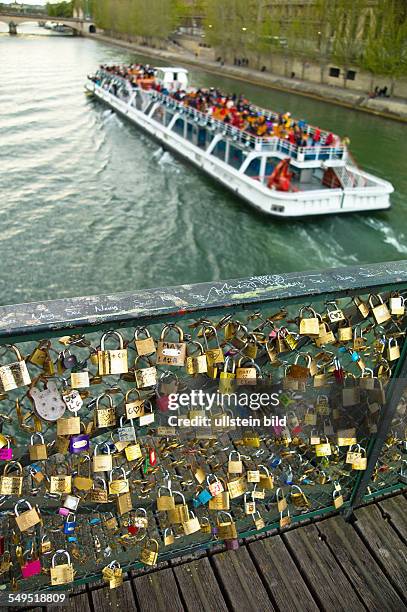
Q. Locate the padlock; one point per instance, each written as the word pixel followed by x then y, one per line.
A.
pixel 227 376
pixel 80 442
pixel 249 506
pixel 80 482
pixel 221 501
pixel 105 416
pixel 37 452
pixel 145 377
pixel 337 498
pixel 353 455
pixel 310 417
pixel 397 304
pixel 214 356
pixel 216 486
pixel 80 380
pixel 112 361
pixel 126 433
pixel 48 403
pixel 326 335
pixel 148 417
pixel 322 404
pixel 346 437
pixel 39 354
pixel 253 476
pixel 149 554
pixel 345 331
pixel 169 537
pixel 69 426
pixel 360 463
pixel 178 514
pixel 235 466
pixel 6 453
pixel 135 408
pixel 113 574
pixel 15 374
pixel 30 568
pixel 45 545
pixel 251 439
pixel 377 393
pixel 133 451
pixel 247 374
pixel 205 525
pixel 121 485
pixel 196 363
pixel 367 381
pixel 141 522
pixel 99 495
pixel 64 573
pixel 258 520
pixel 297 371
pixel 171 353
pixel 165 502
pixel 144 346
pixel 26 519
pixel 361 306
pixel 359 342
pixel 226 529
pixel 323 449
pixel 199 474
pixel 70 503
pixel 350 392
pixel 285 521
pixel 298 498
pixel 111 522
pixel 11 485
pixel 393 350
pixel 191 525
pixel 314 437
pixel 309 326
pixel 202 497
pixel 328 427
pixel 266 479
pixel 381 313
pixel 102 462
pixel 334 313
pixel 69 524
pixel 237 487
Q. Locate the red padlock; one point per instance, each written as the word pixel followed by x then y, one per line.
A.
pixel 132 529
pixel 152 457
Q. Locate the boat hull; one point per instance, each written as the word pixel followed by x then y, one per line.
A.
pixel 274 203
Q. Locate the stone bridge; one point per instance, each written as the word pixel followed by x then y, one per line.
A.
pixel 79 24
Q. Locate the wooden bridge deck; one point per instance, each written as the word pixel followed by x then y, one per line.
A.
pixel 323 565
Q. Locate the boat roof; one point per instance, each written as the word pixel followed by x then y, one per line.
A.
pixel 171 69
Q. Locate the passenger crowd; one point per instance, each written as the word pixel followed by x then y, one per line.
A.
pixel 234 110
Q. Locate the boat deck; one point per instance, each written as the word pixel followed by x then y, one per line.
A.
pixel 322 565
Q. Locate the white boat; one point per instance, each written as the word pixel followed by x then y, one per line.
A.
pixel 324 179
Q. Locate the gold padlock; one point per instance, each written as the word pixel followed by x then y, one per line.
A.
pixel 116 487
pixel 337 499
pixel 227 376
pixel 360 463
pixel 221 501
pixel 61 574
pixel 362 307
pixel 124 503
pixel 104 462
pixel 345 331
pixel 99 495
pixel 105 416
pixel 397 304
pixel 196 363
pixel 80 380
pixel 61 483
pixel 14 375
pixel 171 353
pixel 350 393
pixel 113 574
pixel 26 519
pixel 323 449
pixel 191 525
pixel 251 439
pixel 144 346
pixel 393 350
pixel 83 483
pixel 149 554
pixel 247 374
pixel 235 466
pixel 237 487
pixel 226 529
pixel 179 514
pixel 258 520
pixel 285 521
pixel 37 452
pixel 169 537
pixel 308 326
pixel 11 485
pixel 133 451
pixel 326 335
pixel 165 502
pixel 69 426
pixel 298 498
pixel 381 313
pixel 135 408
pixel 112 361
pixel 266 479
pixel 214 356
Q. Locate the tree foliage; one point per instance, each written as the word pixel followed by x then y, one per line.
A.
pixel 59 9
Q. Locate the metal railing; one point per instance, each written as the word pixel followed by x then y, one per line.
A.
pixel 319 376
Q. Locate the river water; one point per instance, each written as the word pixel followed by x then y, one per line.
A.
pixel 91 205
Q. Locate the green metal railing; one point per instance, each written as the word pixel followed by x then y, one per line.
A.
pixel 255 319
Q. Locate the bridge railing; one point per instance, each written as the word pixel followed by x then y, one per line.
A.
pixel 294 381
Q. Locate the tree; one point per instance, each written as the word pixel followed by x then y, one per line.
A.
pixel 60 9
pixel 348 40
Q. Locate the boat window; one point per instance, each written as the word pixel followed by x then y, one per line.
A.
pixel 178 127
pixel 235 157
pixel 253 168
pixel 168 117
pixel 175 76
pixel 158 114
pixel 219 150
pixel 190 131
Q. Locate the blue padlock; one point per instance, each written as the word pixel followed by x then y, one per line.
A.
pixel 79 443
pixel 204 496
pixel 275 461
pixel 69 526
pixel 288 477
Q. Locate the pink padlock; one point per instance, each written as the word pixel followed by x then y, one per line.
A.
pixel 278 430
pixel 6 454
pixel 162 402
pixel 31 568
pixel 64 511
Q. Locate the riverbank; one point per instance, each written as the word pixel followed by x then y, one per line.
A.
pixel 384 107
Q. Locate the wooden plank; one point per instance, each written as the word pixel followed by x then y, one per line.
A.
pixel 106 598
pixel 359 566
pixel 199 588
pixel 384 544
pixel 328 584
pixel 158 592
pixel 240 582
pixel 77 603
pixel 396 508
pixel 283 579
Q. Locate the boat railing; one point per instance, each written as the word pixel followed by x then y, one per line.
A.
pixel 273 116
pixel 262 144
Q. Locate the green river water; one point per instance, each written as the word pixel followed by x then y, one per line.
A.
pixel 89 204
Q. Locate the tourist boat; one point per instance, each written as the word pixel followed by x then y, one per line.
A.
pixel 321 179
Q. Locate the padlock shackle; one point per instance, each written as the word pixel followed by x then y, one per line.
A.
pixel 170 326
pixel 61 551
pixel 21 501
pixel 109 334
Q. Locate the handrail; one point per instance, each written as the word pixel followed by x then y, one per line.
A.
pixel 36 319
